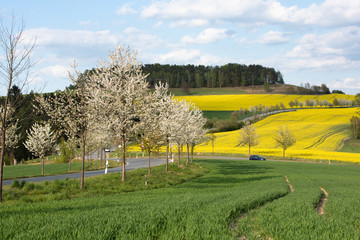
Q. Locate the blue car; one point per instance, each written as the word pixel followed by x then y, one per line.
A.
pixel 257 157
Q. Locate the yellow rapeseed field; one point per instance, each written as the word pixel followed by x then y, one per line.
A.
pixel 319 133
pixel 235 102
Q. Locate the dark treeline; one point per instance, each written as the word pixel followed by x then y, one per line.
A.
pixel 25 114
pixel 229 75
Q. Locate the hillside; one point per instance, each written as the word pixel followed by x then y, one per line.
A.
pixel 319 133
pixel 235 102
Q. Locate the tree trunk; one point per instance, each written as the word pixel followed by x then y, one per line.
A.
pixel 82 162
pixel 249 150
pixel 283 153
pixel 167 155
pixel 187 159
pixel 192 153
pixel 149 164
pixel 42 165
pixel 12 157
pixel 179 155
pixel 123 158
pixel 2 151
pixel 70 161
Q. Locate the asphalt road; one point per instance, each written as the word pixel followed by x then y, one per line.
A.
pixel 132 163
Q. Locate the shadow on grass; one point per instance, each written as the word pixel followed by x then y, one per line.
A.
pixel 230 172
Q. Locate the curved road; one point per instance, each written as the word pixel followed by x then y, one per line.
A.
pixel 132 163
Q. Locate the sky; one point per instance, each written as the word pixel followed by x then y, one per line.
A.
pixel 308 41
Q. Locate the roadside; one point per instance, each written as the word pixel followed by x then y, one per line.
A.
pixel 132 163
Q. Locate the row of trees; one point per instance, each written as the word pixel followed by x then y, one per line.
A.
pixel 322 103
pixel 112 105
pixel 282 136
pixel 229 75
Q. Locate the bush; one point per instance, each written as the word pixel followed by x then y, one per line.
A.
pixel 29 187
pixel 17 184
pixel 228 125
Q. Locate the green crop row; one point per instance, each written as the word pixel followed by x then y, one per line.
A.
pixel 295 216
pixel 204 207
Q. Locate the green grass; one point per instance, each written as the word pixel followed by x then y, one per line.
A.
pixel 101 185
pixel 220 115
pixel 294 217
pixel 206 91
pixel 352 146
pixel 204 207
pixel 34 170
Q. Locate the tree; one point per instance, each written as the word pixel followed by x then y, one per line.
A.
pixel 71 111
pixel 169 124
pixel 150 133
pixel 248 136
pixel 355 126
pixel 291 104
pixel 118 90
pixel 41 141
pixel 196 132
pixel 284 138
pixel 357 99
pixel 212 139
pixel 15 65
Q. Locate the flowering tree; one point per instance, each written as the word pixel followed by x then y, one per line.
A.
pixel 248 136
pixel 150 120
pixel 118 90
pixel 70 110
pixel 196 133
pixel 12 138
pixel 41 141
pixel 169 122
pixel 284 138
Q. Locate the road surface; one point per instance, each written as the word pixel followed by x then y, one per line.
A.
pixel 132 163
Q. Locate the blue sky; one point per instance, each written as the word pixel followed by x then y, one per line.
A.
pixel 308 41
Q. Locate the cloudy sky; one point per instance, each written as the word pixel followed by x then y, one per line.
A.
pixel 308 41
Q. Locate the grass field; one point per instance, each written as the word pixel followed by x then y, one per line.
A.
pixel 235 102
pixel 204 207
pixel 34 170
pixel 220 115
pixel 319 133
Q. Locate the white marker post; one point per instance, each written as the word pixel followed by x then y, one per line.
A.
pixel 106 166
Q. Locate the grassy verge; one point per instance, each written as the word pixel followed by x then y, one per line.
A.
pixel 34 170
pixel 352 146
pixel 101 185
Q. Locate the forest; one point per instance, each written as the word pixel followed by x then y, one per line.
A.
pixel 229 75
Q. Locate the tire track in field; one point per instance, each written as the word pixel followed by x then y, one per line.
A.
pixel 322 139
pixel 236 221
pixel 321 204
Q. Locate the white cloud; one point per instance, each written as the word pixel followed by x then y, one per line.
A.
pixel 47 36
pixel 347 83
pixel 336 49
pixel 209 35
pixel 185 56
pixel 273 37
pixel 126 9
pixel 185 12
pixel 54 71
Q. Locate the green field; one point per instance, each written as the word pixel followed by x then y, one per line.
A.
pixel 204 208
pixel 220 115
